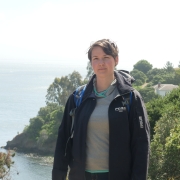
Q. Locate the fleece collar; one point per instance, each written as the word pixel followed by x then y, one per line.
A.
pixel 123 85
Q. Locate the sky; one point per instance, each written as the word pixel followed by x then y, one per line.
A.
pixel 60 31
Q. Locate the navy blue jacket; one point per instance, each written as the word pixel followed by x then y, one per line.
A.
pixel 129 136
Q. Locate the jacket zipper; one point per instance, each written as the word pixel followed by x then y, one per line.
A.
pixel 119 95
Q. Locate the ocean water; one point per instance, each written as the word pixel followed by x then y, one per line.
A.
pixel 23 87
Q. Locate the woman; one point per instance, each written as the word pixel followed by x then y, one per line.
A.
pixel 111 131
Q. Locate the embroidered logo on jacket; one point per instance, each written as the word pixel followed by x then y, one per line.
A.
pixel 141 122
pixel 120 109
pixel 125 102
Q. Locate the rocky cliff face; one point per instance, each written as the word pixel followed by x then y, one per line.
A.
pixel 23 143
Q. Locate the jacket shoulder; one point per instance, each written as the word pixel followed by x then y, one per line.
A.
pixel 137 95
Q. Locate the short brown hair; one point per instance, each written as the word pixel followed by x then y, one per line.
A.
pixel 109 47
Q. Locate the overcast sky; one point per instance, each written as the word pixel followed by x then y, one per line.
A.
pixel 62 30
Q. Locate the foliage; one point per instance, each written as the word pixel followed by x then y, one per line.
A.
pixel 153 72
pixel 136 87
pixel 34 127
pixel 160 154
pixel 167 78
pixel 44 126
pixel 140 77
pixel 164 117
pixel 158 79
pixel 169 67
pixel 177 77
pixel 89 70
pixel 156 107
pixel 143 66
pixel 45 111
pixel 50 129
pixel 5 164
pixel 149 84
pixel 148 94
pixel 171 163
pixel 59 91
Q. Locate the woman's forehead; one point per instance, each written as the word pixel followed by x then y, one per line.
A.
pixel 97 50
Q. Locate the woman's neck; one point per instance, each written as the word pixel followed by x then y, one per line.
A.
pixel 103 83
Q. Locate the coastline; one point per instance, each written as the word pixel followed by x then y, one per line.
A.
pixel 22 143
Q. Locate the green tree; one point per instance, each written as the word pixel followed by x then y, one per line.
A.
pixel 34 127
pixel 171 157
pixel 75 79
pixel 158 79
pixel 148 94
pixel 51 128
pixel 5 164
pixel 59 91
pixel 140 77
pixel 53 92
pixel 153 72
pixel 169 67
pixel 143 65
pixel 89 70
pixel 159 153
pixel 169 78
pixel 45 111
pixel 157 107
pixel 177 77
pixel 45 125
pixel 179 65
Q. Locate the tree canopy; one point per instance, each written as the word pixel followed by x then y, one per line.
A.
pixel 140 77
pixel 169 67
pixel 143 66
pixel 44 127
pixel 59 91
pixel 148 94
pixel 89 70
pixel 164 117
pixel 177 77
pixel 154 72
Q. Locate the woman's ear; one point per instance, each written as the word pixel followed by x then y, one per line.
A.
pixel 116 60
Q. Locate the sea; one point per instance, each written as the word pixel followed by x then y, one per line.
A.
pixel 23 87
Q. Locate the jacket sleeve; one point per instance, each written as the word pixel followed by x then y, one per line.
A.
pixel 61 161
pixel 140 138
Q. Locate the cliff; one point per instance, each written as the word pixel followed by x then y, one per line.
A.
pixel 23 143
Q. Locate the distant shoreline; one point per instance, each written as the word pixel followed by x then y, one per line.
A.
pixel 22 143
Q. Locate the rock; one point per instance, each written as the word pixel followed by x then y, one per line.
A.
pixel 23 143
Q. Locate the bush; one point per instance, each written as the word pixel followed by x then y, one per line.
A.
pixel 165 146
pixel 140 77
pixel 5 164
pixel 171 158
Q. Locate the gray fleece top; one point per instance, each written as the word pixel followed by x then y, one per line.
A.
pixel 97 142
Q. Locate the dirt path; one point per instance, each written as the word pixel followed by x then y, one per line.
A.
pixel 144 85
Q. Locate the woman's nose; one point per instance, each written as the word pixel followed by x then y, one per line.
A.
pixel 101 61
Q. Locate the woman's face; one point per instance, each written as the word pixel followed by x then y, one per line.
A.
pixel 102 64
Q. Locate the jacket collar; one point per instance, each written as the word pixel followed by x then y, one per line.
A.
pixel 124 86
